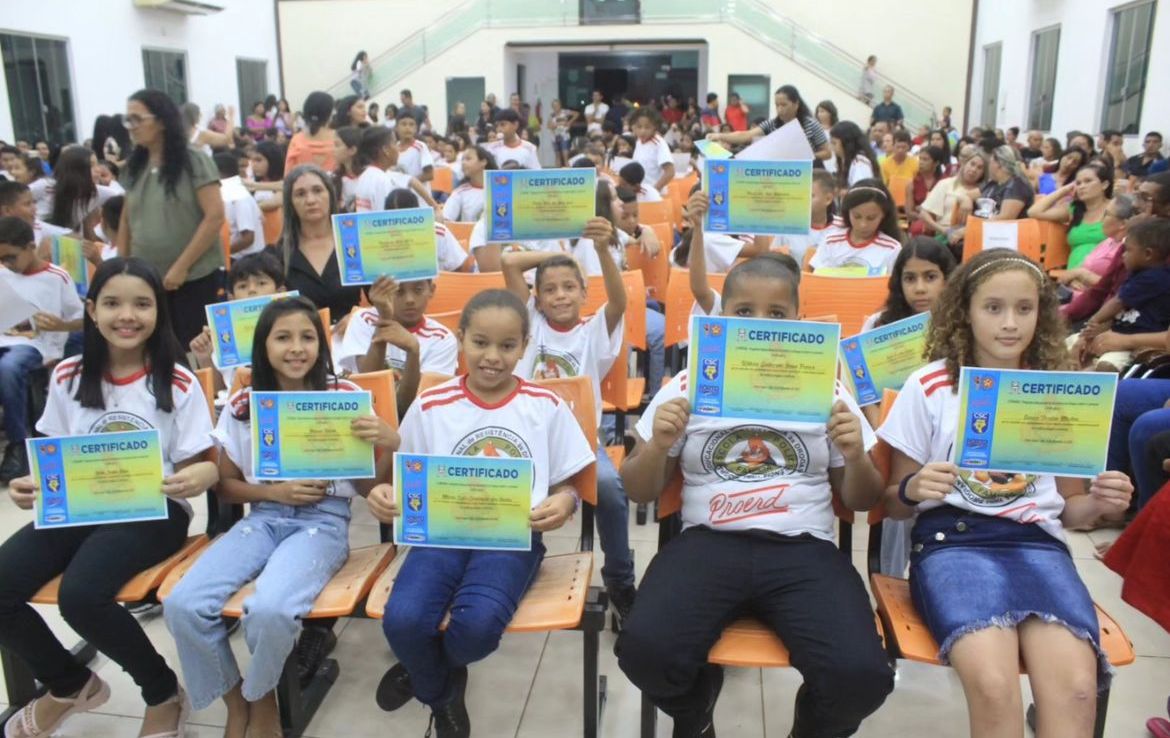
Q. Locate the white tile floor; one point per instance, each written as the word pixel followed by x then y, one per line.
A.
pixel 531 688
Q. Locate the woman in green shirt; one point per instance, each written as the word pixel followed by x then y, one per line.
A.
pixel 173 211
pixel 1091 192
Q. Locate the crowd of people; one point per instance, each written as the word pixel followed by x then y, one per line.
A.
pixel 171 210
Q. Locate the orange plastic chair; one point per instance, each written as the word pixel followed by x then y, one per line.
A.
pixel 461 232
pixel 273 226
pixel 225 240
pixel 806 260
pixel 454 289
pixel 679 302
pixel 655 270
pixel 444 180
pixel 206 377
pixel 635 333
pixel 1029 240
pixel 1054 239
pixel 654 212
pixel 380 385
pixel 851 299
pixel 897 187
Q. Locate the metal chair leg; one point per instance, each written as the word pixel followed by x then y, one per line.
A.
pixel 649 718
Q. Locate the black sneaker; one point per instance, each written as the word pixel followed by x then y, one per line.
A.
pixel 451 720
pixel 394 690
pixel 144 608
pixel 705 726
pixel 621 597
pixel 312 647
pixel 15 462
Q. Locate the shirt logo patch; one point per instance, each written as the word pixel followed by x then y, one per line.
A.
pixel 119 422
pixel 492 441
pixel 754 453
pixel 554 364
pixel 994 489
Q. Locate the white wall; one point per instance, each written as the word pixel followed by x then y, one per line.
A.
pixel 1081 67
pixel 106 38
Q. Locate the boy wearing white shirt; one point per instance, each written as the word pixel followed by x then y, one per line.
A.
pixel 595 113
pixel 632 176
pixel 245 221
pixel 414 157
pixel 509 146
pixel 651 150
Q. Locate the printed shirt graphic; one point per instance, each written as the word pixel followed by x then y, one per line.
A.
pixel 742 475
pixel 922 425
pixel 438 351
pixel 873 258
pixel 531 423
pixel 587 348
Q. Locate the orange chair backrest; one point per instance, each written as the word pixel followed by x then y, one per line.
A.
pixel 444 180
pixel 635 333
pixel 679 302
pixel 461 231
pixel 897 187
pixel 273 226
pixel 1027 237
pixel 426 380
pixel 326 318
pixel 450 321
pixel 380 385
pixel 225 239
pixel 241 379
pixel 454 289
pixel 615 384
pixel 852 299
pixel 654 212
pixel 1054 238
pixel 206 377
pixel 809 253
pixel 655 270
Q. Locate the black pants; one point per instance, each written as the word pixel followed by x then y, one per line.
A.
pixel 187 303
pixel 96 561
pixel 802 587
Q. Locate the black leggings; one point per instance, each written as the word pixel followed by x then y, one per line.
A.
pixel 802 587
pixel 96 561
pixel 188 317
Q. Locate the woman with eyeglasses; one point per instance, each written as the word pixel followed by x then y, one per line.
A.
pixel 173 212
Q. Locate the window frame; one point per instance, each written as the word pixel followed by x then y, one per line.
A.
pixel 72 121
pixel 165 89
pixel 1115 115
pixel 1037 121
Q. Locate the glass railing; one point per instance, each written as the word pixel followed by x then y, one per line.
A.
pixel 753 17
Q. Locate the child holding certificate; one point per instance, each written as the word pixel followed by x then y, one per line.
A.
pixel 292 542
pixel 487 412
pixel 868 239
pixel 758 530
pixel 126 378
pixel 990 571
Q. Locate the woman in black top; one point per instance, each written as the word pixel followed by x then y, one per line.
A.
pixel 1007 185
pixel 310 259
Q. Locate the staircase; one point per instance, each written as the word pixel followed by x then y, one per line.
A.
pixel 752 17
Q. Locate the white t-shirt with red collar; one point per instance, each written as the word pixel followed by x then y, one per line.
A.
pixel 51 290
pixel 530 423
pixel 872 258
pixel 185 432
pixel 588 348
pixel 414 158
pixel 653 155
pixel 922 424
pixel 522 152
pixel 798 245
pixel 438 351
pixel 373 185
pixel 233 434
pixel 451 255
pixel 748 475
pixel 465 204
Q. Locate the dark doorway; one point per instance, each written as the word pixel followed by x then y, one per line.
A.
pixel 641 76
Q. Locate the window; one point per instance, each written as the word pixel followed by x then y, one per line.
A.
pixel 594 12
pixel 40 90
pixel 992 57
pixel 1129 58
pixel 252 80
pixel 753 89
pixel 166 71
pixel 1045 45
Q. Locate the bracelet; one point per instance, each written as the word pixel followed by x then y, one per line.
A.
pixel 902 492
pixel 576 499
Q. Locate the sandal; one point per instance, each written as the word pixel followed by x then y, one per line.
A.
pixel 24 723
pixel 184 713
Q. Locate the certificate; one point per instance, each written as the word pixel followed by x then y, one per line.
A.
pixel 306 435
pixel 67 253
pixel 759 197
pixel 539 204
pixel 99 478
pixel 463 502
pixel 711 149
pixel 1030 422
pixel 233 324
pixel 398 243
pixel 885 357
pixel 779 371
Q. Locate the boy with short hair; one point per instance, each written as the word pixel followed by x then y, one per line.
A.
pixel 631 176
pixel 899 163
pixel 32 343
pixel 245 221
pixel 414 157
pixel 17 199
pixel 509 146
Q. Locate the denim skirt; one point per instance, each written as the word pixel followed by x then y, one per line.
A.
pixel 970 571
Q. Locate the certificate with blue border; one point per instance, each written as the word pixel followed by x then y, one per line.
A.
pixel 307 435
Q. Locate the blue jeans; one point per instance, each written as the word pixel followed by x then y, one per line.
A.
pixel 1138 416
pixel 16 362
pixel 613 523
pixel 480 588
pixel 656 347
pixel 295 551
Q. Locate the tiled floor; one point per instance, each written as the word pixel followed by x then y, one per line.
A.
pixel 531 688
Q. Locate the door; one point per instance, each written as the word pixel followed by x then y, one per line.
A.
pixel 469 91
pixel 252 82
pixel 991 59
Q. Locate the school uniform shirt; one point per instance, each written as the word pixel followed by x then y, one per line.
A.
pixel 41 229
pixel 414 158
pixel 722 249
pixel 234 437
pixel 438 351
pixel 799 245
pixel 523 153
pixel 871 322
pixel 748 475
pixel 595 110
pixel 349 193
pixel 922 425
pixel 588 349
pixel 243 214
pixel 653 155
pixel 586 254
pixel 373 185
pixel 185 432
pixel 872 258
pixel 649 194
pixel 1145 297
pixel 860 168
pixel 465 204
pixel 451 254
pixel 52 291
pixel 42 191
pixel 530 423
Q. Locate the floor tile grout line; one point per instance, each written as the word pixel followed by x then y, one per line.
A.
pixel 531 685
